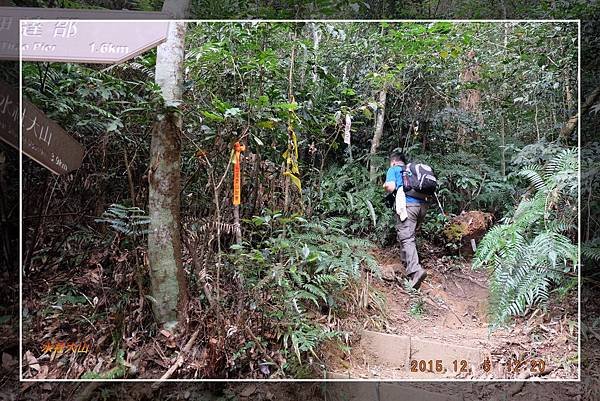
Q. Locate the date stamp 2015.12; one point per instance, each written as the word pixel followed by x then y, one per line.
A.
pixel 463 366
pixel 438 366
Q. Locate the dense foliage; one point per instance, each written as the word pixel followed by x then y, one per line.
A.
pixel 349 9
pixel 485 104
pixel 535 247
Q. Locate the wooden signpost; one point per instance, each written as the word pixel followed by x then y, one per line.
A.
pixel 10 16
pixel 9 115
pixel 106 42
pixel 47 143
pixel 43 139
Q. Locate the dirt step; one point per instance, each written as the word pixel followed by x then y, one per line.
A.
pixel 412 357
pixel 373 391
pixel 387 350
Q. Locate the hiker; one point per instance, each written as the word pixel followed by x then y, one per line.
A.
pixel 409 213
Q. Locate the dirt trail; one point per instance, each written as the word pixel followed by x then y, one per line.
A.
pixel 452 326
pixel 455 303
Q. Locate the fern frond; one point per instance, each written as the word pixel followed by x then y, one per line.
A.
pixel 371 212
pixel 566 160
pixel 529 254
pixel 591 250
pixel 534 175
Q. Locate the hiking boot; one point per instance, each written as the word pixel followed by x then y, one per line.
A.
pixel 418 278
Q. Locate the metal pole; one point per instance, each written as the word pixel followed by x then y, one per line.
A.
pixel 438 202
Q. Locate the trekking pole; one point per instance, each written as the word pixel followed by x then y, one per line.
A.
pixel 438 202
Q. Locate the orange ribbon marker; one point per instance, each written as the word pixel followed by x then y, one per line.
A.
pixel 238 148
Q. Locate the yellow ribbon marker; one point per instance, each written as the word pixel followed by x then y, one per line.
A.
pixel 291 157
pixel 237 190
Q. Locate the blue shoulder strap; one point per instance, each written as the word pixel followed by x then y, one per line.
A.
pixel 399 176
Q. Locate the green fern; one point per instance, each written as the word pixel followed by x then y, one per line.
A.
pixel 591 250
pixel 533 250
pixel 126 220
pixel 315 265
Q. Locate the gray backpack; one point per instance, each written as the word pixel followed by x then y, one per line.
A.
pixel 419 180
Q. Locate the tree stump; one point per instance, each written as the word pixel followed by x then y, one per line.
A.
pixel 467 229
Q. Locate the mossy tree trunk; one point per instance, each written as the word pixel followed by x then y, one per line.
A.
pixel 379 122
pixel 168 282
pixel 470 98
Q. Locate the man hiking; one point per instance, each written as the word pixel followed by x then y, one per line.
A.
pixel 407 222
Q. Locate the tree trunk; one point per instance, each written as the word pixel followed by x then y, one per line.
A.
pixel 129 177
pixel 164 239
pixel 236 223
pixel 424 127
pixel 176 9
pixel 535 119
pixel 568 95
pixel 286 201
pixel 470 98
pixel 504 9
pixel 286 188
pixel 379 120
pixel 571 124
pixel 316 36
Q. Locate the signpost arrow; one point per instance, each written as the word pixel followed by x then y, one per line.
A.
pixel 9 115
pixel 43 139
pixel 106 42
pixel 76 41
pixel 10 16
pixel 47 143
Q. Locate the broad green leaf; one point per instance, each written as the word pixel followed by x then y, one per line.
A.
pixel 286 106
pixel 212 116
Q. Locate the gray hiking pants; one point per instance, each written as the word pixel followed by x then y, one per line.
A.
pixel 406 235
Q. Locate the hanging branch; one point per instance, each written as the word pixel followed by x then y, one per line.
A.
pixel 571 123
pixel 286 201
pixel 291 72
pixel 129 176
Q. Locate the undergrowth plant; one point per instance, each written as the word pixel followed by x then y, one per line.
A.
pixel 417 303
pixel 534 250
pixel 306 273
pixel 347 192
pixel 126 220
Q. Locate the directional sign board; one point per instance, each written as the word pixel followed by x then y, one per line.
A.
pixel 65 40
pixel 43 139
pixel 10 16
pixel 47 143
pixel 9 115
pixel 106 42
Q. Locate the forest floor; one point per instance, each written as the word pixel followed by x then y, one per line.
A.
pixel 452 324
pixel 101 306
